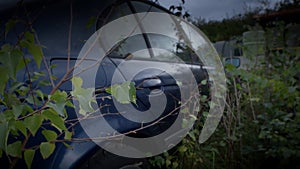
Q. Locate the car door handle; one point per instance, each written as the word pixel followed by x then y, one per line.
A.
pixel 152 83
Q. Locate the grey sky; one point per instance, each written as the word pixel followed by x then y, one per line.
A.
pixel 208 9
pixel 215 9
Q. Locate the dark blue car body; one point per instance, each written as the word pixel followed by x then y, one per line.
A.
pixel 51 20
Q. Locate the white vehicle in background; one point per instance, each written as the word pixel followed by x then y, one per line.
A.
pixel 244 54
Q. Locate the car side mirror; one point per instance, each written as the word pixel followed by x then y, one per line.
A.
pixel 234 61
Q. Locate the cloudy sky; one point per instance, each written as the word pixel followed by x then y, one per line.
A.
pixel 215 9
pixel 208 9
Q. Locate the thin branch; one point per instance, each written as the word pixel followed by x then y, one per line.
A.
pixel 38 42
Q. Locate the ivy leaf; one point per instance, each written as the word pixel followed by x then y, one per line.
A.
pixel 33 123
pixel 49 135
pixel 47 149
pixel 84 96
pixel 3 79
pixel 55 119
pixel 124 93
pixel 28 156
pixel 15 149
pixel 59 98
pixel 4 135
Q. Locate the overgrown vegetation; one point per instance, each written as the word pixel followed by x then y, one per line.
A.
pixel 260 127
pixel 33 120
pixel 261 124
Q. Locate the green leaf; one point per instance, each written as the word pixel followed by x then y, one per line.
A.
pixel 36 52
pixel 175 164
pixel 14 87
pixel 204 82
pixel 55 119
pixel 8 115
pixel 192 136
pixel 168 162
pixel 59 98
pixel 40 94
pixel 29 37
pixel 21 127
pixel 70 104
pixel 22 63
pixel 11 99
pixel 124 93
pixel 3 79
pixel 68 135
pixel 34 49
pixel 9 25
pixel 28 157
pixel 10 58
pixel 47 149
pixel 182 149
pixel 4 135
pixel 33 123
pixel 84 96
pixel 17 110
pixel 1 152
pixel 49 135
pixel 15 149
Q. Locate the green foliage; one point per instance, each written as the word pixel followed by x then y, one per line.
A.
pixel 14 149
pixel 58 101
pixel 84 96
pixel 34 49
pixel 225 29
pixel 49 135
pixel 124 93
pixel 46 149
pixel 28 157
pixel 26 110
pixel 33 123
pixel 55 119
pixel 261 123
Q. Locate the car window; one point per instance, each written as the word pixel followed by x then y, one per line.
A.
pixel 145 46
pixel 164 49
pixel 126 48
pixel 111 13
pixel 176 50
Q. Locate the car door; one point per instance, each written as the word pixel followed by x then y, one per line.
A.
pixel 159 66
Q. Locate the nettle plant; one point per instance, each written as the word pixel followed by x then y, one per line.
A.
pixel 28 112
